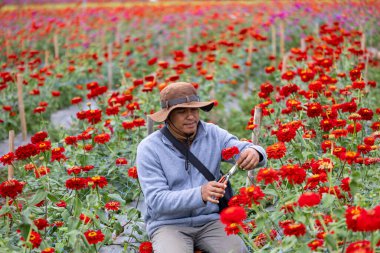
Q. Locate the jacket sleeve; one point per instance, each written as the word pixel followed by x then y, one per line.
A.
pixel 155 186
pixel 229 140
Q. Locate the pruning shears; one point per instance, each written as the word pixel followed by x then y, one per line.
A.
pixel 226 177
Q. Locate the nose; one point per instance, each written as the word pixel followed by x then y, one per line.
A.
pixel 190 113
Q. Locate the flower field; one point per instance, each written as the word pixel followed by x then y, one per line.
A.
pixel 310 69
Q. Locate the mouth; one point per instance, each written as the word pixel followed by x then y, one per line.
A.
pixel 193 124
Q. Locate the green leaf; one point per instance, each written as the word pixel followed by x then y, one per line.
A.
pixel 77 207
pixel 117 197
pixel 331 241
pixel 4 210
pixel 52 198
pixel 24 228
pixel 38 197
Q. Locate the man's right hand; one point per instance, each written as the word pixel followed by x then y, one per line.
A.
pixel 212 191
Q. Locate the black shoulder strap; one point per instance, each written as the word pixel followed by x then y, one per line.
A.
pixel 192 158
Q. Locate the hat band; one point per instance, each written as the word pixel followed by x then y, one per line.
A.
pixel 176 101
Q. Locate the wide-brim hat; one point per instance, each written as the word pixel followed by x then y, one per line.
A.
pixel 179 95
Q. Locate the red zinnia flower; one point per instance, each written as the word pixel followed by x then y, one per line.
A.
pixel 146 247
pixel 76 183
pixel 315 244
pixel 41 223
pixel 230 152
pixel 35 239
pixel 360 247
pixel 84 218
pixel 276 151
pixel 294 173
pixel 354 128
pixel 292 228
pixel 352 215
pixel 132 172
pixel 252 193
pixel 102 138
pixel 61 203
pixel 269 175
pixel 38 137
pixel 48 250
pixel 286 134
pixel 11 188
pixel 314 110
pixel 97 181
pixel 8 158
pixel 128 125
pixel 234 214
pixel 71 140
pixel 25 152
pixel 112 205
pixel 309 199
pixel 366 113
pixel 232 229
pixel 139 122
pixel 41 171
pixel 349 156
pixel 121 161
pixel 94 237
pixel 76 100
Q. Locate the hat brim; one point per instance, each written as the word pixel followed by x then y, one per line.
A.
pixel 161 115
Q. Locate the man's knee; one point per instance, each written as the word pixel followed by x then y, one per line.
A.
pixel 169 239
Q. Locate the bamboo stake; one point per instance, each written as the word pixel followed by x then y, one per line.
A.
pixel 188 38
pixel 56 48
pixel 249 57
pixel 7 43
pixel 273 29
pixel 255 140
pixel 11 149
pixel 47 58
pixel 282 39
pixel 161 45
pixel 149 125
pixel 109 66
pixel 117 36
pixel 67 47
pixel 285 63
pixel 303 45
pixel 363 41
pixel 366 68
pixel 21 106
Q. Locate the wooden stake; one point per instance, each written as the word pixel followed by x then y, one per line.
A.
pixel 150 124
pixel 47 58
pixel 56 48
pixel 188 38
pixel 117 36
pixel 282 39
pixel 249 57
pixel 255 140
pixel 366 68
pixel 303 45
pixel 161 45
pixel 21 106
pixel 109 51
pixel 67 51
pixel 273 29
pixel 284 63
pixel 11 149
pixel 363 41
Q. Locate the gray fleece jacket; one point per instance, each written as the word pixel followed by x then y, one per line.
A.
pixel 172 193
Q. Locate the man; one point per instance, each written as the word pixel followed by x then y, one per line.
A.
pixel 182 206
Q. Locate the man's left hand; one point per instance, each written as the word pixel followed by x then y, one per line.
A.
pixel 248 159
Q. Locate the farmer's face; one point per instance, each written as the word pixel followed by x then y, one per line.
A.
pixel 185 119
